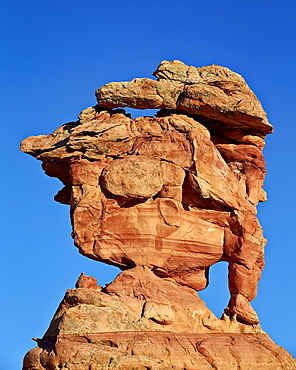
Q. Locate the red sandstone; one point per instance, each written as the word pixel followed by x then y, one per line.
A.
pixel 163 198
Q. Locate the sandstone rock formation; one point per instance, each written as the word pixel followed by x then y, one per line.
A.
pixel 163 198
pixel 141 321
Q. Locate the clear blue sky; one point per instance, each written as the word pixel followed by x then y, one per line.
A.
pixel 54 55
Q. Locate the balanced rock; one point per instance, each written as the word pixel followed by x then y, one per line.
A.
pixel 214 93
pixel 163 198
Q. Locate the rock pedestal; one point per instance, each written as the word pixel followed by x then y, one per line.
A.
pixel 163 198
pixel 141 321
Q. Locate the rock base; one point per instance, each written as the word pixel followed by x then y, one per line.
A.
pixel 159 351
pixel 141 321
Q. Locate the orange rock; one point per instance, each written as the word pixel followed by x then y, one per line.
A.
pixel 143 206
pixel 163 198
pixel 142 321
pixel 87 282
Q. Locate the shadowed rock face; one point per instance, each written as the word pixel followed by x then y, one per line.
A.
pixel 165 198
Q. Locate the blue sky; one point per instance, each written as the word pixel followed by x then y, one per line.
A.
pixel 54 55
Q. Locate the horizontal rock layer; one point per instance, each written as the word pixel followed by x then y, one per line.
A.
pixel 213 93
pixel 160 351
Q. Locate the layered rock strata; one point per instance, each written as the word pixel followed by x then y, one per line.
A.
pixel 163 198
pixel 141 321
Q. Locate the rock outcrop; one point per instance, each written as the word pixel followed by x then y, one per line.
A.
pixel 141 321
pixel 213 93
pixel 163 198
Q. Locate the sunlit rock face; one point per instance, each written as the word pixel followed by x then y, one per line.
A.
pixel 141 321
pixel 164 198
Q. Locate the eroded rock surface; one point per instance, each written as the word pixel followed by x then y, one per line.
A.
pixel 163 198
pixel 141 321
pixel 214 93
pixel 158 192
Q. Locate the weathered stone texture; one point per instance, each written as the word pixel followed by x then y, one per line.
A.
pixel 213 92
pixel 163 198
pixel 141 321
pixel 158 192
